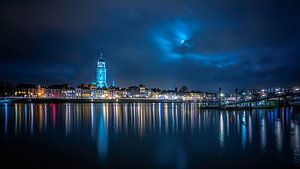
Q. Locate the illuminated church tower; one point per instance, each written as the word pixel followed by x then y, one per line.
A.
pixel 101 73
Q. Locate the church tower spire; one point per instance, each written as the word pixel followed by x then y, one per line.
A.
pixel 101 73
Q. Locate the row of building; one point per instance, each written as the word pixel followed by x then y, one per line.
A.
pixel 90 91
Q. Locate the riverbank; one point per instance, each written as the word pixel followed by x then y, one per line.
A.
pixel 137 100
pixel 88 100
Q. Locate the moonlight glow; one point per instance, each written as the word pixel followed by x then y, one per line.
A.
pixel 182 41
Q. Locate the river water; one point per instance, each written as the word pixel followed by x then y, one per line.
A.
pixel 147 135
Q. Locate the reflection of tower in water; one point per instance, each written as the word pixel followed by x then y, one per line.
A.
pixel 244 130
pixel 102 139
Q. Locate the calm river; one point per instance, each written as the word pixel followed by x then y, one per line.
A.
pixel 146 135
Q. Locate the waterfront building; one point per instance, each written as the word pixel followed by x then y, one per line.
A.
pixel 112 93
pixel 105 93
pixel 101 73
pixel 84 91
pixel 93 89
pixel 142 89
pixel 60 91
pixel 99 93
pixel 123 93
pixel 54 91
pixel 133 91
pixel 69 93
pixel 25 90
pixel 194 95
pixel 154 93
pixel 29 90
pixel 78 93
pixel 137 91
pixel 41 91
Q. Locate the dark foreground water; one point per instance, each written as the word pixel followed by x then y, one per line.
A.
pixel 146 135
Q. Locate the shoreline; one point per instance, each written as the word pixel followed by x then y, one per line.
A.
pixel 135 100
pixel 89 100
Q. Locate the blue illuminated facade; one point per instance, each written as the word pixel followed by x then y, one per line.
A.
pixel 101 74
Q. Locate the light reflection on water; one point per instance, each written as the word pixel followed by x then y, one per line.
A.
pixel 262 130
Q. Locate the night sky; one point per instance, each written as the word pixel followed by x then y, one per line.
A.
pixel 166 43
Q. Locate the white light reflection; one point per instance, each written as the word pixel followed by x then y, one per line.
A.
pixel 221 132
pixel 159 117
pixel 192 114
pixel 172 116
pixel 26 116
pixel 227 123
pixel 45 117
pixel 6 117
pixel 16 118
pixel 263 134
pixel 295 141
pixel 31 118
pixel 166 117
pixel 67 119
pixel 278 135
pixel 126 118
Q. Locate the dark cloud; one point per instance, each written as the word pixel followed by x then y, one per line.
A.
pixel 202 44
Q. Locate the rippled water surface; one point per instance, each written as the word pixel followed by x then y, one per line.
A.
pixel 147 135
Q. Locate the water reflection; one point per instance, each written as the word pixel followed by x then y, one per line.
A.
pixel 244 131
pixel 263 133
pixel 295 141
pixel 6 117
pixel 278 135
pixel 102 141
pixel 257 128
pixel 221 135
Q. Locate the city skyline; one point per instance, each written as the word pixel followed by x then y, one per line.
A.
pixel 150 84
pixel 100 82
pixel 201 45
